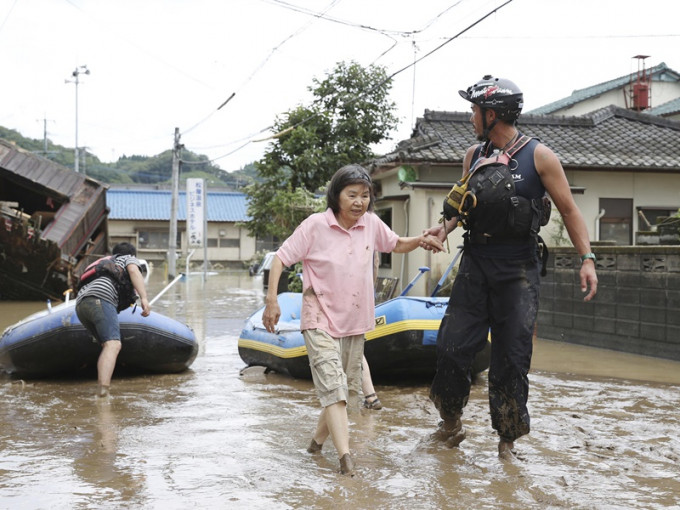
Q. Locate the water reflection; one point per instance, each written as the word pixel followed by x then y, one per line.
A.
pixel 101 467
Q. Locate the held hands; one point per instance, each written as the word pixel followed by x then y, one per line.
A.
pixel 433 239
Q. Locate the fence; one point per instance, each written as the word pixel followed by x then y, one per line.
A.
pixel 637 306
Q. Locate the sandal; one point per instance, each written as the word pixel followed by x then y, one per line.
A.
pixel 373 404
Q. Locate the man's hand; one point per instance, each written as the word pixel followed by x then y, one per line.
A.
pixel 588 279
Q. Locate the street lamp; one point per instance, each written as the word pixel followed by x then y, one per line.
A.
pixel 78 71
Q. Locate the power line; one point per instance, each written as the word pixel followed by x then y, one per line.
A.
pixel 571 37
pixel 263 63
pixel 323 16
pixel 9 12
pixel 362 26
pixel 389 77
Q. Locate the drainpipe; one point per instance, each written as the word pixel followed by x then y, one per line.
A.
pixel 403 255
pixel 597 224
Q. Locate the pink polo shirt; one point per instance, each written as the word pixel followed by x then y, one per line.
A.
pixel 337 274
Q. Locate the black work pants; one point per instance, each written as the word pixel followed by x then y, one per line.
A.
pixel 501 296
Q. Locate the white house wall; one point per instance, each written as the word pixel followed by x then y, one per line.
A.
pixel 423 209
pixel 614 97
pixel 128 229
pixel 664 91
pixel 646 190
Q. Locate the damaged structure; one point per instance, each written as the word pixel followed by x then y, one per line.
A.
pixel 53 222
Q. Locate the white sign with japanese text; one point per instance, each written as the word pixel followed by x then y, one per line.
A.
pixel 195 212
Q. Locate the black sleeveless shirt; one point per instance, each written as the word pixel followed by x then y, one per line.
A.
pixel 527 184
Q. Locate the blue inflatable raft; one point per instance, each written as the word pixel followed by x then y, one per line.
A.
pixel 54 342
pixel 402 345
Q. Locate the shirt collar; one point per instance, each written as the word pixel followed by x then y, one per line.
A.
pixel 333 221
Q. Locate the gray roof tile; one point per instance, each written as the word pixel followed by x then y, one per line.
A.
pixel 605 138
pixel 668 108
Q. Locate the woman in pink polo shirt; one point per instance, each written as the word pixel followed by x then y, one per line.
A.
pixel 336 249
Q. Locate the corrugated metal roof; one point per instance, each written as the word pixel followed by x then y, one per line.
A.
pixel 607 138
pixel 658 73
pixel 155 205
pixel 45 176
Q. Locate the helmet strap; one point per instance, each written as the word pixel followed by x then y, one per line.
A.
pixel 486 130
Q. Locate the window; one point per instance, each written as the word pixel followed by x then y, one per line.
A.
pixel 228 242
pixel 155 239
pixel 653 215
pixel 267 243
pixel 617 222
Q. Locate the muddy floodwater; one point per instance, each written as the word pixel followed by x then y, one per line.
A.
pixel 605 432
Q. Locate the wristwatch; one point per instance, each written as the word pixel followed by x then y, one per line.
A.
pixel 590 255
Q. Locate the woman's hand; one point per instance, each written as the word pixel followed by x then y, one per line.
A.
pixel 271 315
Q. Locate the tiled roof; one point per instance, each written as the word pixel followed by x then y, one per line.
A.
pixel 606 138
pixel 669 108
pixel 155 205
pixel 658 73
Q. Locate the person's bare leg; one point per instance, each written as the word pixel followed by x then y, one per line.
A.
pixel 371 400
pixel 338 426
pixel 366 381
pixel 106 364
pixel 320 434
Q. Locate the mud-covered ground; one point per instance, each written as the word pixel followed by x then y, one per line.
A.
pixel 604 433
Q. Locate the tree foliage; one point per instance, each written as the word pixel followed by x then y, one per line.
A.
pixel 351 112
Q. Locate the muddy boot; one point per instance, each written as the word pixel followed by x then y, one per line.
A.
pixel 506 449
pixel 450 432
pixel 314 447
pixel 347 465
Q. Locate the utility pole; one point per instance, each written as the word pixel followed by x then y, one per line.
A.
pixel 45 136
pixel 45 152
pixel 78 71
pixel 172 238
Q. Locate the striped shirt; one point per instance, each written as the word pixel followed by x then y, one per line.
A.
pixel 103 287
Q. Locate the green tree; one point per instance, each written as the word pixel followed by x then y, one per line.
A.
pixel 351 112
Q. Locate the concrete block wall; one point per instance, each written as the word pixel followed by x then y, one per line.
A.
pixel 637 306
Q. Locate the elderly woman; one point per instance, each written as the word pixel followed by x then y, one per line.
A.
pixel 336 249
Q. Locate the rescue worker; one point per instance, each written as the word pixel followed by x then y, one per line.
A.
pixel 497 285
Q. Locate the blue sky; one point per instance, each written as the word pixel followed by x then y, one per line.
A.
pixel 160 64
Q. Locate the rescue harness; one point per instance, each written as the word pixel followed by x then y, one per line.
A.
pixel 486 203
